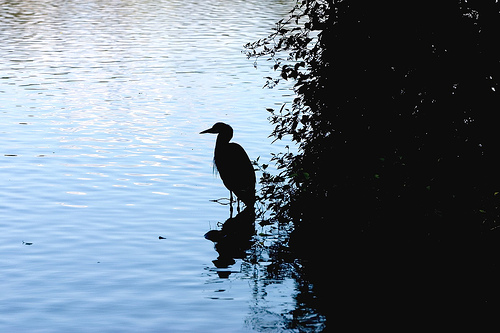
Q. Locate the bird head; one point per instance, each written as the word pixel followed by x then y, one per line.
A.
pixel 219 128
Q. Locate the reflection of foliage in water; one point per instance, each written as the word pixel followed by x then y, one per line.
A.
pixel 270 264
pixel 271 271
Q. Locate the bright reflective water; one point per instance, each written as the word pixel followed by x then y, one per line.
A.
pixel 101 103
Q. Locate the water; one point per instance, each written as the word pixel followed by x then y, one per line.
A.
pixel 101 105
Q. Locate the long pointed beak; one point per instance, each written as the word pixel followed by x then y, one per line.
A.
pixel 210 130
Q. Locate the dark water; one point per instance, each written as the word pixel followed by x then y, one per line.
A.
pixel 101 104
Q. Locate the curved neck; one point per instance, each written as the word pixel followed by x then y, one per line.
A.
pixel 224 137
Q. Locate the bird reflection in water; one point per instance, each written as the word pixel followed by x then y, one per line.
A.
pixel 233 240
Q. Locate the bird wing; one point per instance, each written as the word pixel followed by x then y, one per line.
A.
pixel 235 168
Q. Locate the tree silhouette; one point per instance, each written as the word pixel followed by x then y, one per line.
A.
pixel 395 118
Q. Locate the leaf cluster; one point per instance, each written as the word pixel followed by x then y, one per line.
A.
pixel 394 116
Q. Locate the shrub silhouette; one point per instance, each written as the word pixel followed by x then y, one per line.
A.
pixel 395 118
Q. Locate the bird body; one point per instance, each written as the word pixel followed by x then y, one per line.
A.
pixel 233 164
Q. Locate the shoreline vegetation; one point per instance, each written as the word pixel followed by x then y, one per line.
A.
pixel 395 185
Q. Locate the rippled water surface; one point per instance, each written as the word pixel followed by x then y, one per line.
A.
pixel 101 103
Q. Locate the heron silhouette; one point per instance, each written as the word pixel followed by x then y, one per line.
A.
pixel 233 164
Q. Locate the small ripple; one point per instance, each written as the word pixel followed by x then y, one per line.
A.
pixel 161 193
pixel 71 205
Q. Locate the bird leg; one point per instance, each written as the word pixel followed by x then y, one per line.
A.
pixel 231 204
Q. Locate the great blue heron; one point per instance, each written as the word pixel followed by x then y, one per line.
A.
pixel 233 164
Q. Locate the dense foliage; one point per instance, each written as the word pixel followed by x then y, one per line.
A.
pixel 395 118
